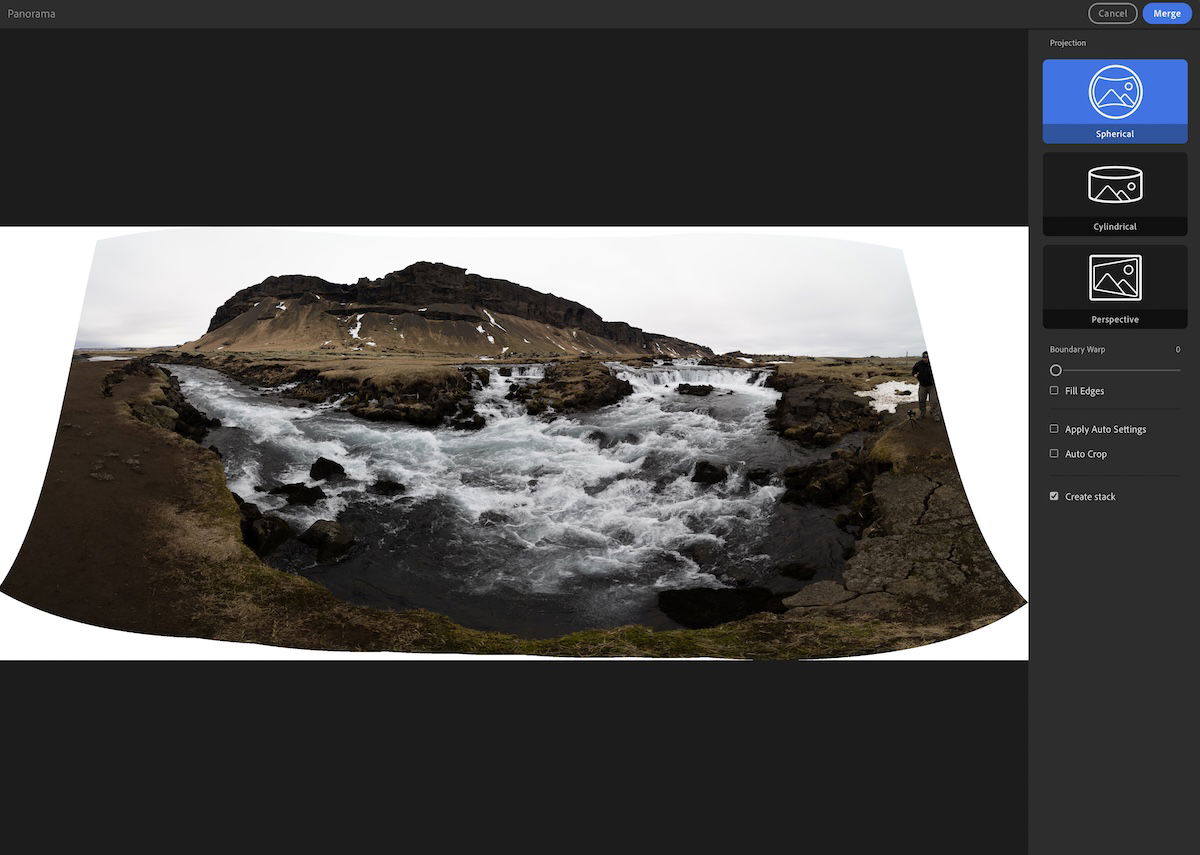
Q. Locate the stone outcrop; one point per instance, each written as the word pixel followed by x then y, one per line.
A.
pixel 466 418
pixel 434 287
pixel 759 476
pixel 299 494
pixel 840 480
pixel 168 408
pixel 332 539
pixel 263 533
pixel 925 548
pixel 572 387
pixel 324 469
pixel 921 557
pixel 708 473
pixel 426 401
pixel 386 487
pixel 827 593
pixel 819 412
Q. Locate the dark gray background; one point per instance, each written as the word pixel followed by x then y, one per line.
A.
pixel 1108 580
pixel 928 14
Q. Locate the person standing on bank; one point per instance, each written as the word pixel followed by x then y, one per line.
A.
pixel 926 391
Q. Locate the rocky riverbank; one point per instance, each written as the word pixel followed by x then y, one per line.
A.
pixel 158 544
pixel 920 556
pixel 168 409
pixel 426 393
pixel 917 554
pixel 915 550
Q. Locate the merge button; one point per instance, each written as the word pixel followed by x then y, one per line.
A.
pixel 1167 13
pixel 1112 13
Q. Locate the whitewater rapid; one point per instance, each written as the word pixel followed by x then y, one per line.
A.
pixel 527 525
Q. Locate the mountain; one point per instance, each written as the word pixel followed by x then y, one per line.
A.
pixel 1109 285
pixel 1112 99
pixel 425 308
pixel 1108 194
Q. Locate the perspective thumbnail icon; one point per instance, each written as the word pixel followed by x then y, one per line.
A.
pixel 1114 278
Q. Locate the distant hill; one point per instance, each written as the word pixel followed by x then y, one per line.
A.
pixel 425 308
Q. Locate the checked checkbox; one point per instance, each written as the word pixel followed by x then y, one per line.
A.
pixel 1054 495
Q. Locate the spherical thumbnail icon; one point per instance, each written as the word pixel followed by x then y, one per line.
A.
pixel 1115 92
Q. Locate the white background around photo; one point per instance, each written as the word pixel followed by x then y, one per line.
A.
pixel 970 285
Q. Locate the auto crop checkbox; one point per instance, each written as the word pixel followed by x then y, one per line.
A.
pixel 1053 390
pixel 1053 428
pixel 1053 452
pixel 1054 495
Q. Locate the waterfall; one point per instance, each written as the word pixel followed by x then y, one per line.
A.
pixel 491 401
pixel 660 378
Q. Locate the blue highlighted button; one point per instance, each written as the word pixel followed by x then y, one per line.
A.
pixel 1167 13
pixel 1110 101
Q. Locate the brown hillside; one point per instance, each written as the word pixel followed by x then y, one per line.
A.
pixel 425 308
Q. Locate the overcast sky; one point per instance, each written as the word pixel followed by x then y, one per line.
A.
pixel 758 294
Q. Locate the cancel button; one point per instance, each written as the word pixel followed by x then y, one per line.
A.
pixel 1112 13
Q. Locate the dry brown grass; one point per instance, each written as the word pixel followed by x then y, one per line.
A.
pixel 861 373
pixel 905 444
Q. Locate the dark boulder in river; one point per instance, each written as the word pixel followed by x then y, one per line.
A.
pixel 332 539
pixel 465 418
pixel 828 482
pixel 325 469
pixel 697 608
pixel 796 570
pixel 706 553
pixel 708 473
pixel 385 487
pixel 605 440
pixel 263 534
pixel 759 476
pixel 698 390
pixel 299 494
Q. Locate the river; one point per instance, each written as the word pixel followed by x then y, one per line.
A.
pixel 532 526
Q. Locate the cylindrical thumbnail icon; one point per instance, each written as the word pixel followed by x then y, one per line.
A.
pixel 1115 185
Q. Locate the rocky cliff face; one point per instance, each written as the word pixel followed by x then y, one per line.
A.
pixel 430 293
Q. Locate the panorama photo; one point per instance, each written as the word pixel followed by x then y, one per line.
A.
pixel 674 446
